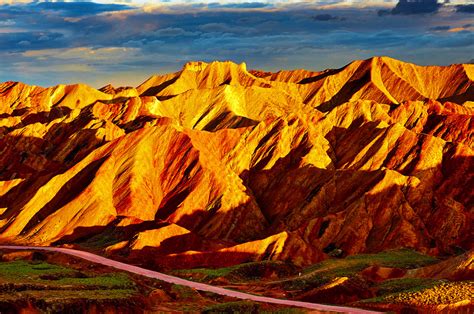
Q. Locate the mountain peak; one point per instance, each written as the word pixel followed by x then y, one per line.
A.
pixel 195 66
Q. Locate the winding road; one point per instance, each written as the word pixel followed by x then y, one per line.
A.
pixel 179 281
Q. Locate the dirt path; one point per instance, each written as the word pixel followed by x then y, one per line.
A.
pixel 179 281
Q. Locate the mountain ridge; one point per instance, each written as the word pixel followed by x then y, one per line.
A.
pixel 214 161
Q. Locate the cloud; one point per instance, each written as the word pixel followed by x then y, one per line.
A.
pixel 325 17
pixel 86 54
pixel 226 28
pixel 467 8
pixel 17 39
pixel 108 42
pixel 8 22
pixel 447 28
pixel 440 28
pixel 79 8
pixel 407 7
pixel 244 5
pixel 173 32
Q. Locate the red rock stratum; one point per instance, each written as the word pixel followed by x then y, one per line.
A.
pixel 217 165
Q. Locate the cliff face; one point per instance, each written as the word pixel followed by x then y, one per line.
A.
pixel 216 165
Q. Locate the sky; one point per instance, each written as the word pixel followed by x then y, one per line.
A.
pixel 124 42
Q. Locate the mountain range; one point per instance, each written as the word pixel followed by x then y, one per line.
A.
pixel 217 165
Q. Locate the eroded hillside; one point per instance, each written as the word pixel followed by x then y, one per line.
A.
pixel 216 165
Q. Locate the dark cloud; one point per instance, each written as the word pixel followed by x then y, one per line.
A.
pixel 407 7
pixel 79 8
pixel 326 17
pixel 466 28
pixel 467 8
pixel 440 28
pixel 226 28
pixel 173 32
pixel 17 41
pixel 245 5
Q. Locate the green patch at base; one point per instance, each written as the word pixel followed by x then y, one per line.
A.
pixel 25 270
pixel 426 292
pixel 67 295
pixel 109 281
pixel 406 284
pixel 246 271
pixel 55 276
pixel 248 307
pixel 314 275
pixel 397 258
pixel 52 288
pixel 404 258
pixel 184 292
pixel 350 266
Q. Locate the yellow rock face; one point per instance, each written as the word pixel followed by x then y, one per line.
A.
pixel 215 164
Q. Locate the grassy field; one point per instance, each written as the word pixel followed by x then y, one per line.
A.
pixel 292 282
pixel 60 277
pixel 330 269
pixel 406 284
pixel 54 288
pixel 249 307
pixel 46 273
pixel 242 272
pixel 429 294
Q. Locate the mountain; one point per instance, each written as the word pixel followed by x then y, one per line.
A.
pixel 216 165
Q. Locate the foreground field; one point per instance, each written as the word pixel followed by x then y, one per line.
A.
pixel 391 280
pixel 53 283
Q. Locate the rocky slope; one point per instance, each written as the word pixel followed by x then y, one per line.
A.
pixel 216 165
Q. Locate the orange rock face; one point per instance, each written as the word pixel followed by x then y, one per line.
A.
pixel 216 165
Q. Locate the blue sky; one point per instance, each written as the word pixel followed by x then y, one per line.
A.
pixel 124 42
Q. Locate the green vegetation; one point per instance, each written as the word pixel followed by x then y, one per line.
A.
pixel 404 258
pixel 29 271
pixel 284 310
pixel 233 307
pixel 396 258
pixel 55 276
pixel 442 293
pixel 108 281
pixel 322 276
pixel 248 307
pixel 102 240
pixel 65 295
pixel 183 292
pixel 328 270
pixel 406 284
pixel 55 288
pixel 246 271
pixel 433 293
